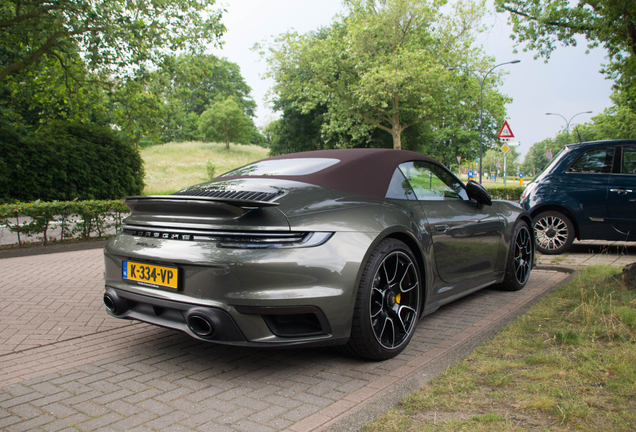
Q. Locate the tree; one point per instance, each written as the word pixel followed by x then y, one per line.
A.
pixel 114 36
pixel 615 122
pixel 137 110
pixel 226 122
pixel 90 61
pixel 295 131
pixel 608 23
pixel 190 84
pixel 46 91
pixel 383 66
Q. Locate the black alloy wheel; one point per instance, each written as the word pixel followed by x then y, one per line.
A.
pixel 520 258
pixel 387 304
pixel 394 298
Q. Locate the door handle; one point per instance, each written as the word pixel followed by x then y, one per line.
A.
pixel 441 228
pixel 621 191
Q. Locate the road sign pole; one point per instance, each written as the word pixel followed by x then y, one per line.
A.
pixel 504 171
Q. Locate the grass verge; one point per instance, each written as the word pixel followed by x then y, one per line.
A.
pixel 173 166
pixel 568 364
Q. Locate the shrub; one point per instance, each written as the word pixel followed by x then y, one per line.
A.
pixel 94 217
pixel 211 169
pixel 510 193
pixel 67 161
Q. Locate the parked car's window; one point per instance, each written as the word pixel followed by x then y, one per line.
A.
pixel 597 161
pixel 629 160
pixel 287 167
pixel 399 188
pixel 431 182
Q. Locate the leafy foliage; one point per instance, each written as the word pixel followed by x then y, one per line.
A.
pixel 608 23
pixel 91 61
pixel 66 161
pixel 295 131
pixel 114 36
pixel 190 84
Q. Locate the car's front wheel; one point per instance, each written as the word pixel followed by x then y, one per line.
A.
pixel 387 304
pixel 554 232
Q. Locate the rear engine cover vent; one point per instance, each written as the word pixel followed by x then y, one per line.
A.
pixel 241 195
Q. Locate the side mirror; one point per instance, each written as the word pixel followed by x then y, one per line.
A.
pixel 478 193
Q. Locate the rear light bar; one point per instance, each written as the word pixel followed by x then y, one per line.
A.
pixel 236 240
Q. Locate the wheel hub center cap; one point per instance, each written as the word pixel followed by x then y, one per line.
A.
pixel 551 232
pixel 390 299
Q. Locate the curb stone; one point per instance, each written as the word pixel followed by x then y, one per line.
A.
pixel 42 250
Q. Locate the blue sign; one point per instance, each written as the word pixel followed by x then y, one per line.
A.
pixel 520 175
pixel 471 174
pixel 477 160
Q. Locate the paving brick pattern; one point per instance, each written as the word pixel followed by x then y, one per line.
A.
pixel 51 298
pixel 592 252
pixel 67 365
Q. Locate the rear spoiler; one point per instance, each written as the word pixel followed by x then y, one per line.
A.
pixel 193 205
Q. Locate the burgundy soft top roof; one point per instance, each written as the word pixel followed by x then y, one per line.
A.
pixel 360 171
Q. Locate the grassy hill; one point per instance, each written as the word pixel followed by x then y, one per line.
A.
pixel 173 166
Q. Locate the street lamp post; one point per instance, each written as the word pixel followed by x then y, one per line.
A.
pixel 482 80
pixel 567 130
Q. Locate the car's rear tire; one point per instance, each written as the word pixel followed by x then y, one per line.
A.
pixel 553 231
pixel 520 259
pixel 387 304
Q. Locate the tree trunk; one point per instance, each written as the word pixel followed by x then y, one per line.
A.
pixel 227 145
pixel 396 131
pixel 397 138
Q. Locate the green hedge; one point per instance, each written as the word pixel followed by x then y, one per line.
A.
pixel 510 193
pixel 66 161
pixel 94 217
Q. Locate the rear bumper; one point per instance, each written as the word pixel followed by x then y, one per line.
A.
pixel 277 297
pixel 185 317
pixel 215 325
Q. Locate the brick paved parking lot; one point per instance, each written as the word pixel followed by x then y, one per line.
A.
pixel 66 365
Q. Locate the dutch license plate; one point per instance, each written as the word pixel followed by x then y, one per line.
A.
pixel 150 275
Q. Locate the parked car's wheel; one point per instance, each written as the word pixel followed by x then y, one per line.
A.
pixel 520 259
pixel 554 232
pixel 387 304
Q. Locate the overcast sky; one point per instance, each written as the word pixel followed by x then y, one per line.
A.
pixel 570 83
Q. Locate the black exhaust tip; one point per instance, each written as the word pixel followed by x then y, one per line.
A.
pixel 200 325
pixel 111 304
pixel 115 305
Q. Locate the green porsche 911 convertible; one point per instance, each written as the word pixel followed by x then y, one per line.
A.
pixel 343 247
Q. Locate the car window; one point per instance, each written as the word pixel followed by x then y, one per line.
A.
pixel 431 182
pixel 629 160
pixel 597 161
pixel 283 167
pixel 399 188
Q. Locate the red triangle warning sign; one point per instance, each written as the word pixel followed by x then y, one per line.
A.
pixel 505 131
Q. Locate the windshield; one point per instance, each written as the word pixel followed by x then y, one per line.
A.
pixel 283 167
pixel 552 163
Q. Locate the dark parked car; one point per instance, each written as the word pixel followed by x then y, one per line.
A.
pixel 587 192
pixel 335 247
